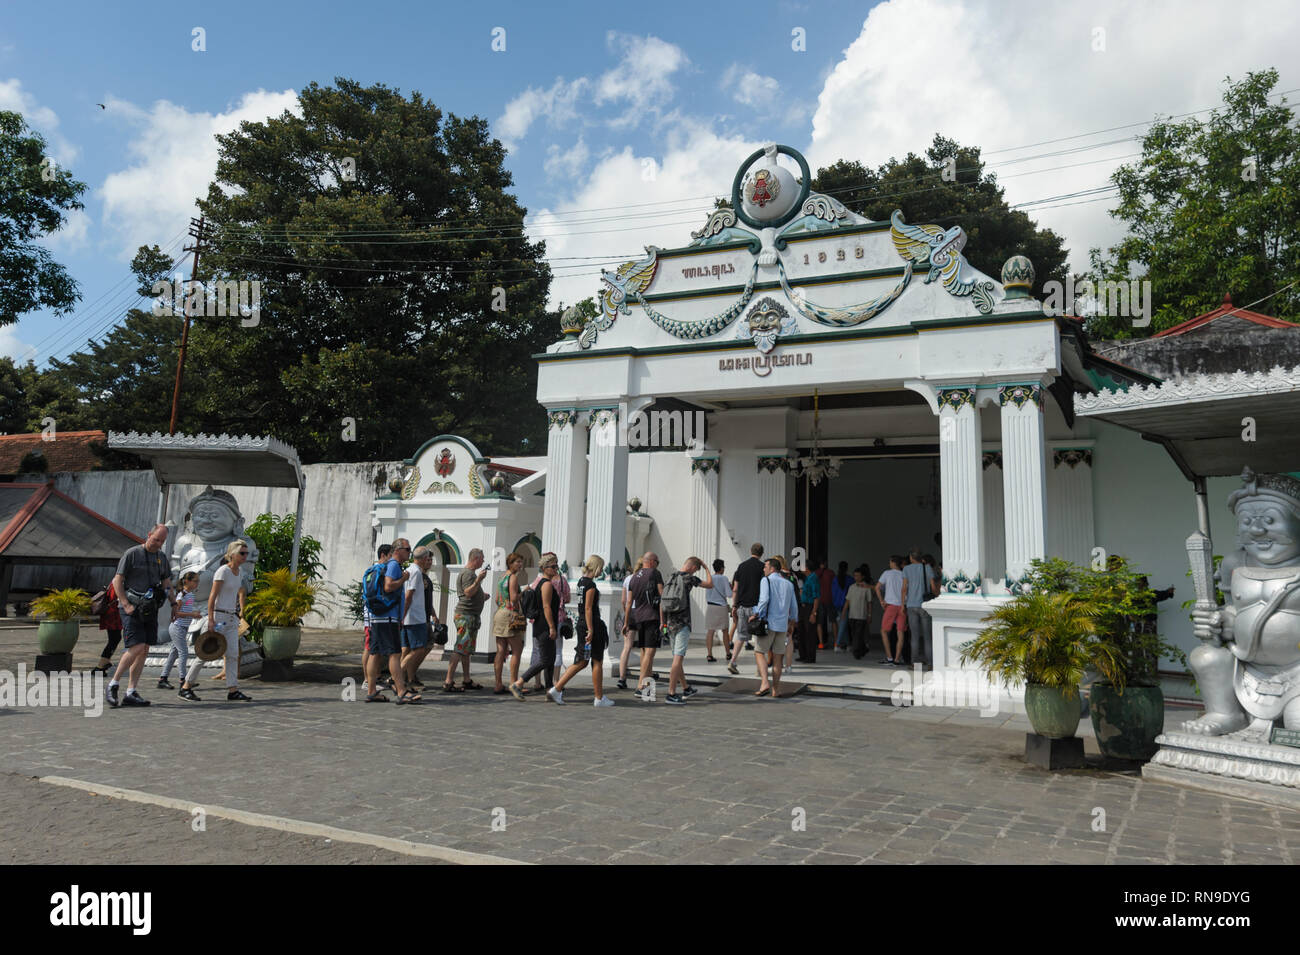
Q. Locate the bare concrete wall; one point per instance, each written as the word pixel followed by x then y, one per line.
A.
pixel 336 511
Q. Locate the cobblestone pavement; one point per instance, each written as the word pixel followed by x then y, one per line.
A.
pixel 68 827
pixel 725 778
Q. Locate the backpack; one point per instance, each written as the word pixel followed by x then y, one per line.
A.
pixel 530 603
pixel 676 596
pixel 378 603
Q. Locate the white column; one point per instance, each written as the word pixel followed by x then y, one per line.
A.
pixel 606 491
pixel 1070 529
pixel 704 523
pixel 962 481
pixel 771 500
pixel 1024 478
pixel 563 509
pixel 995 541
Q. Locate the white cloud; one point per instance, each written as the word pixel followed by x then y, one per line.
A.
pixel 618 209
pixel 643 77
pixel 40 118
pixel 175 158
pixel 566 163
pixel 1003 73
pixel 11 346
pixel 557 105
pixel 759 92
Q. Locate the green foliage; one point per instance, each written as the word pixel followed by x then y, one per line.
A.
pixel 274 539
pixel 62 604
pixel 1125 609
pixel 35 197
pixel 1045 638
pixel 353 601
pixel 973 200
pixel 281 599
pixel 1213 206
pixel 376 289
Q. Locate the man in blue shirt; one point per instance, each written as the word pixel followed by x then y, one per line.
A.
pixel 777 605
pixel 386 630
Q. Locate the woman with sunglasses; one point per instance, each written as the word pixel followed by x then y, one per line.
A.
pixel 225 607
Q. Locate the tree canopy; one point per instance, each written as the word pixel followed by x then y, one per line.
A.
pixel 948 186
pixel 35 197
pixel 1212 206
pixel 397 289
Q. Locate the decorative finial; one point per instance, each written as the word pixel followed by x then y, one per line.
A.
pixel 1018 276
pixel 635 504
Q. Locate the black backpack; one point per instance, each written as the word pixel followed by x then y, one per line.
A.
pixel 530 603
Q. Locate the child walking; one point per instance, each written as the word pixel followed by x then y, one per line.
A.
pixel 186 612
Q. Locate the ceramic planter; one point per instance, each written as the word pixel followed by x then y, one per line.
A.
pixel 281 643
pixel 57 636
pixel 1127 725
pixel 1053 712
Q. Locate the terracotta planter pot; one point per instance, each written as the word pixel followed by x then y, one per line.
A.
pixel 281 643
pixel 57 636
pixel 1052 712
pixel 1127 725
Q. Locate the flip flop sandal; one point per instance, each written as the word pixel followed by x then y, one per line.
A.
pixel 452 688
pixel 711 660
pixel 500 691
pixel 410 696
pixel 376 698
pixel 471 685
pixel 766 692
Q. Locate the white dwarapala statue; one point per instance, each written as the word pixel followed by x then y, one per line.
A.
pixel 1248 666
pixel 212 521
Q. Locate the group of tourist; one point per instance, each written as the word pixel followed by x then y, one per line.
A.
pixel 142 583
pixel 778 613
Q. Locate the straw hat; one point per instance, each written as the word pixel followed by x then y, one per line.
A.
pixel 210 645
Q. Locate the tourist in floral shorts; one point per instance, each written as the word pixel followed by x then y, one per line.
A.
pixel 469 611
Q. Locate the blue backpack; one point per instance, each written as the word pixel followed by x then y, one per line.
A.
pixel 378 603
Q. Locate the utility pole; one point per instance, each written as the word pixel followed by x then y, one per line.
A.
pixel 196 230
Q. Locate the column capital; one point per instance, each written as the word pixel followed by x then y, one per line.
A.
pixel 1071 456
pixel 956 398
pixel 1020 395
pixel 992 458
pixel 772 463
pixel 559 417
pixel 705 465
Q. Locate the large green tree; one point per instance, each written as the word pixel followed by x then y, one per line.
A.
pixel 35 197
pixel 948 186
pixel 397 287
pixel 1213 206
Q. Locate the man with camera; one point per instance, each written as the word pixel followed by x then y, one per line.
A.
pixel 777 607
pixel 142 583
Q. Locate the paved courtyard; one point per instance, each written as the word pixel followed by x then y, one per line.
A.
pixel 726 778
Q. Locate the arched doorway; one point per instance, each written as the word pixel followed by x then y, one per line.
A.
pixel 446 553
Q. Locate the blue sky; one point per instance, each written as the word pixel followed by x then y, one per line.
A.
pixel 586 94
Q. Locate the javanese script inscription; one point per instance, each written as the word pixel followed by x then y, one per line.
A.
pixel 762 365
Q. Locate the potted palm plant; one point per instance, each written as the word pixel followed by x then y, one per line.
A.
pixel 58 632
pixel 1045 642
pixel 278 604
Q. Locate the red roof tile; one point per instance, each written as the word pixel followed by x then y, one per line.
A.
pixel 68 451
pixel 1268 321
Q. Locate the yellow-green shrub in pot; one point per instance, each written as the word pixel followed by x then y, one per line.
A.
pixel 58 632
pixel 278 604
pixel 1046 642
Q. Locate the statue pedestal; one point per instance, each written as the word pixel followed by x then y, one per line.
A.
pixel 1231 765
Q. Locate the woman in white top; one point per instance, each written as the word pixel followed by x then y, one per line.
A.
pixel 225 608
pixel 716 616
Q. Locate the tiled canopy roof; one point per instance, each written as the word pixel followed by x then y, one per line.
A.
pixel 1258 318
pixel 68 451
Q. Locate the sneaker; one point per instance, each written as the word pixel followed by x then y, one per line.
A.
pixel 731 668
pixel 163 684
pixel 674 699
pixel 133 698
pixel 557 696
pixel 517 693
pixel 689 692
pixel 749 647
pixel 621 684
pixel 603 701
pixel 188 694
pixel 237 695
pixel 110 694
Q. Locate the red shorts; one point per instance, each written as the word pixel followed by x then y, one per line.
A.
pixel 893 612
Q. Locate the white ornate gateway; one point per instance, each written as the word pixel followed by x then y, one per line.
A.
pixel 939 389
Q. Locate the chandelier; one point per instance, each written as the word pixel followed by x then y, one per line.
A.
pixel 816 465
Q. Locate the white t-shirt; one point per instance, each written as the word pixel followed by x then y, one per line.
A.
pixel 893 583
pixel 415 587
pixel 228 596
